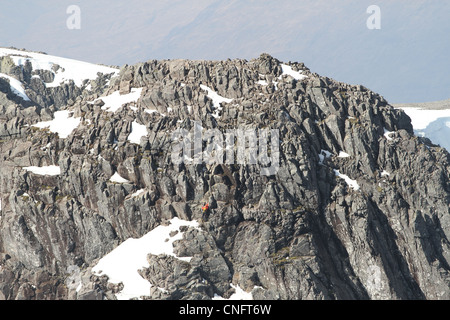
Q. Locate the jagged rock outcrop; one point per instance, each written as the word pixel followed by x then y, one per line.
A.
pixel 302 233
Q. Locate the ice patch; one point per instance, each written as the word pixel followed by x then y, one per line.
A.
pixel 138 193
pixel 352 183
pixel 44 171
pixel 137 132
pixel 115 100
pixel 275 84
pixel 385 173
pixel 62 124
pixel 323 155
pixel 216 98
pixel 118 179
pixel 343 154
pixel 387 133
pixel 238 295
pixel 262 82
pixel 287 70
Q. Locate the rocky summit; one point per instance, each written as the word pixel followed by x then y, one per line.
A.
pixel 358 207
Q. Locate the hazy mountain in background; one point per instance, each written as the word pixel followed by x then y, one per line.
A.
pixel 405 61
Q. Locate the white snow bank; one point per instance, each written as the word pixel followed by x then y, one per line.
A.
pixel 122 264
pixel 118 179
pixel 75 70
pixel 421 118
pixel 432 124
pixel 387 133
pixel 149 111
pixel 327 154
pixel 16 87
pixel 238 295
pixel 138 193
pixel 137 132
pixel 385 173
pixel 343 154
pixel 287 70
pixel 216 98
pixel 45 171
pixel 115 100
pixel 262 82
pixel 62 124
pixel 352 183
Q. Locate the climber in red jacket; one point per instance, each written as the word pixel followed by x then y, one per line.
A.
pixel 205 211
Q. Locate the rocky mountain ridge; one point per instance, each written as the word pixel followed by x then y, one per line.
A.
pixel 359 208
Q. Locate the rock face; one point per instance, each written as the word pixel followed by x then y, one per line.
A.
pixel 302 233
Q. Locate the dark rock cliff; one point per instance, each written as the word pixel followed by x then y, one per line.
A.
pixel 302 233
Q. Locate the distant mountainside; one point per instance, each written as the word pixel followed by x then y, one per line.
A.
pixel 433 105
pixel 404 61
pixel 105 171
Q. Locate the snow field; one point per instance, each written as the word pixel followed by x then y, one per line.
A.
pixel 62 124
pixel 122 264
pixel 216 98
pixel 287 70
pixel 350 182
pixel 44 171
pixel 118 179
pixel 70 69
pixel 115 100
pixel 432 124
pixel 137 132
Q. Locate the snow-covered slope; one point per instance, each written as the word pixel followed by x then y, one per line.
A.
pixel 16 71
pixel 122 264
pixel 431 121
pixel 63 124
pixel 16 86
pixel 69 69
